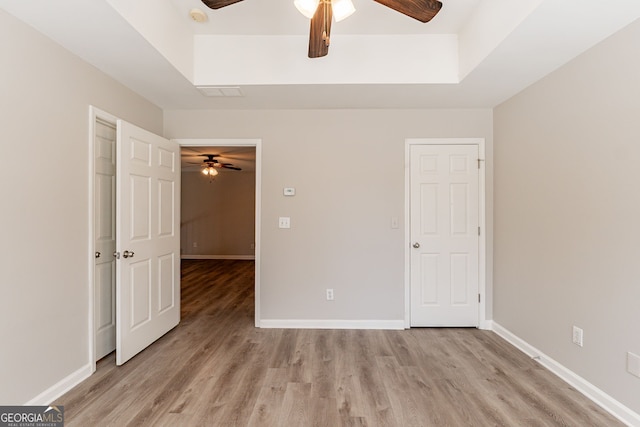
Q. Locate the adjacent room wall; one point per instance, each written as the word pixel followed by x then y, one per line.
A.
pixel 218 217
pixel 567 212
pixel 44 249
pixel 348 171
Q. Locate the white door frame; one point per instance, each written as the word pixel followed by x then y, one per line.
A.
pixel 242 142
pixel 482 256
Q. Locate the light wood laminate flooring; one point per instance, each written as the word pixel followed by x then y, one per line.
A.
pixel 217 369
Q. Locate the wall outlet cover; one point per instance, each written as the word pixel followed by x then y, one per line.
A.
pixel 578 335
pixel 633 364
pixel 284 222
pixel 329 294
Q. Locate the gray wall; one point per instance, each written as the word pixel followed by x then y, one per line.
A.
pixel 348 171
pixel 218 216
pixel 44 249
pixel 567 214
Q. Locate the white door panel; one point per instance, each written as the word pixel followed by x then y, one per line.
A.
pixel 147 223
pixel 444 219
pixel 104 238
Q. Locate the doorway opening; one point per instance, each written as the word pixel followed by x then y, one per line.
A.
pixel 245 154
pixel 217 219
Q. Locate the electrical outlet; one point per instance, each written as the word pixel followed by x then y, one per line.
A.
pixel 195 244
pixel 329 294
pixel 284 222
pixel 578 335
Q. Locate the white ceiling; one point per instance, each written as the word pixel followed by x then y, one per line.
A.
pixel 502 49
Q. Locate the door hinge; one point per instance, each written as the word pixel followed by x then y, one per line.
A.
pixel 480 160
pixel 478 297
pixel 478 231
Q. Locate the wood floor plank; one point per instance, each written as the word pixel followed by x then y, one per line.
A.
pixel 406 405
pixel 267 408
pixel 377 405
pixel 323 369
pixel 295 410
pixel 349 393
pixel 216 369
pixel 324 412
pixel 243 397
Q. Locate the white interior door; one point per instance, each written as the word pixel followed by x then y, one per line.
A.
pixel 104 238
pixel 444 221
pixel 148 239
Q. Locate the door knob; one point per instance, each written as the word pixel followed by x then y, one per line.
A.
pixel 98 254
pixel 416 245
pixel 127 254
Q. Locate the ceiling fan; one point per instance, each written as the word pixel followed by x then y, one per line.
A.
pixel 322 12
pixel 211 164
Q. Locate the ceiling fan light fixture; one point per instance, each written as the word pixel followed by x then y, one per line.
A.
pixel 307 7
pixel 342 9
pixel 210 171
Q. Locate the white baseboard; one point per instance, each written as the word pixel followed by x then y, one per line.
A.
pixel 486 325
pixel 598 396
pixel 238 257
pixel 61 387
pixel 331 324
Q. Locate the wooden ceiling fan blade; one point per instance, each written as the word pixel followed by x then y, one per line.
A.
pixel 209 157
pixel 422 10
pixel 217 4
pixel 320 32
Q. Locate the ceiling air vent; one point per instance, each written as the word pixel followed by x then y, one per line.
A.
pixel 228 91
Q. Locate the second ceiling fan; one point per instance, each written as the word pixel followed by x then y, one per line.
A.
pixel 322 12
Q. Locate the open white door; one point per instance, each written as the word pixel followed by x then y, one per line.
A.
pixel 104 238
pixel 148 239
